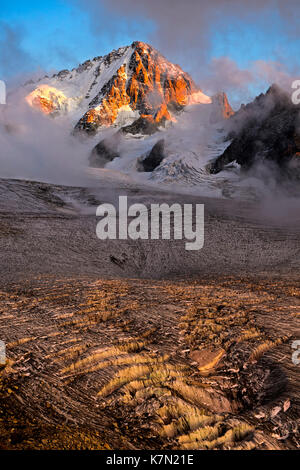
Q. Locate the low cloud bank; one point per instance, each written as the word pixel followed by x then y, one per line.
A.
pixel 36 147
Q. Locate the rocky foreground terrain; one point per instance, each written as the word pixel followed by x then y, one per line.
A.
pixel 136 345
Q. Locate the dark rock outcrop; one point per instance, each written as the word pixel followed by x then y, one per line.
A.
pixel 266 130
pixel 142 125
pixel 154 158
pixel 105 151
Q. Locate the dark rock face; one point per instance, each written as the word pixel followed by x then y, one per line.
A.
pixel 105 151
pixel 266 130
pixel 154 157
pixel 142 125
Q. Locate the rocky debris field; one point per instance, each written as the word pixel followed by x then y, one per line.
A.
pixel 133 364
pixel 142 345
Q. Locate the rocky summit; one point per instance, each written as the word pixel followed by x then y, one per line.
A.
pixel 135 88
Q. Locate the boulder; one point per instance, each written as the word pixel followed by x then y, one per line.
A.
pixel 207 359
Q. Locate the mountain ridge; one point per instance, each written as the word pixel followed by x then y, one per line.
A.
pixel 265 130
pixel 133 82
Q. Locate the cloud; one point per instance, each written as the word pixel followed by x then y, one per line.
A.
pixel 14 60
pixel 37 147
pixel 190 24
pixel 274 72
pixel 224 74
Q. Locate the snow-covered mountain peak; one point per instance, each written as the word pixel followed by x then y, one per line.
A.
pixel 133 83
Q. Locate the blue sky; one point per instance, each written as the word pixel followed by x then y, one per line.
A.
pixel 56 34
